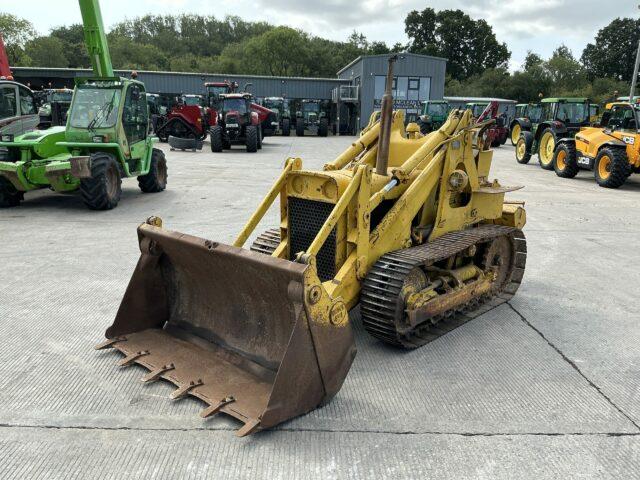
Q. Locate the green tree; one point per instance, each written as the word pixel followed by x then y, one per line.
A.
pixel 129 55
pixel 612 54
pixel 565 71
pixel 75 50
pixel 378 48
pixel 281 51
pixel 470 45
pixel 46 52
pixel 532 61
pixel 16 32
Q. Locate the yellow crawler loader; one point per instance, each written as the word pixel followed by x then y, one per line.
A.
pixel 409 227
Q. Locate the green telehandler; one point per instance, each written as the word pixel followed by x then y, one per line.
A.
pixel 105 138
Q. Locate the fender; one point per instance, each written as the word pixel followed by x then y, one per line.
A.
pixel 525 123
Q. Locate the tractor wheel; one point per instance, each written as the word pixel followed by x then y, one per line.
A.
pixel 323 128
pixel 260 137
pixel 611 167
pixel 9 195
pixel 251 138
pixel 103 189
pixel 495 143
pixel 546 148
pixel 504 137
pixel 156 179
pixel 215 135
pixel 515 134
pixel 564 160
pixel 523 148
pixel 300 127
pixel 286 127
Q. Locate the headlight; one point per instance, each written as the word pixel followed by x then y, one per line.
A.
pixel 7 137
pixel 98 139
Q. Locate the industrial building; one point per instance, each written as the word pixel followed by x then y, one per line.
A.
pixel 350 98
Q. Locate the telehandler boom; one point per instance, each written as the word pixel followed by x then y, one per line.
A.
pixel 408 226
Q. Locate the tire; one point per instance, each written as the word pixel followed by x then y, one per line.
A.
pixel 523 148
pixel 300 127
pixel 217 143
pixel 564 160
pixel 103 189
pixel 251 139
pixel 10 196
pixel 546 147
pixel 504 138
pixel 611 167
pixel 516 130
pixel 286 127
pixel 156 180
pixel 495 143
pixel 260 138
pixel 323 128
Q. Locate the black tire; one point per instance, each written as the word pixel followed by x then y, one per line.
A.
pixel 286 127
pixel 260 137
pixel 300 127
pixel 10 196
pixel 156 180
pixel 103 189
pixel 546 160
pixel 323 127
pixel 503 139
pixel 495 143
pixel 523 148
pixel 215 135
pixel 616 171
pixel 565 162
pixel 251 140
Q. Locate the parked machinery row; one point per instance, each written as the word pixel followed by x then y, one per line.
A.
pixel 567 136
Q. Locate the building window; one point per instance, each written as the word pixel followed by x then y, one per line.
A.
pixel 424 88
pixel 414 84
pixel 380 80
pixel 400 92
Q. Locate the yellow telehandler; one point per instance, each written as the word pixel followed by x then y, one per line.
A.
pixel 411 227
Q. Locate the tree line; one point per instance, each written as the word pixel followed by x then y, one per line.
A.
pixel 478 64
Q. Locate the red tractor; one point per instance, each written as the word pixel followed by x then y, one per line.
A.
pixel 187 119
pixel 497 133
pixel 194 115
pixel 236 124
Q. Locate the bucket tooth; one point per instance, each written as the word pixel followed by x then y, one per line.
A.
pixel 132 357
pixel 109 342
pixel 250 427
pixel 185 389
pixel 213 409
pixel 155 374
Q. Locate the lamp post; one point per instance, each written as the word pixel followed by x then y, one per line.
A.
pixel 635 73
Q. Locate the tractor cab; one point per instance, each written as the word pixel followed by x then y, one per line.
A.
pixel 434 113
pixel 192 100
pixel 476 108
pixel 621 116
pixel 18 111
pixel 279 105
pixel 215 90
pixel 570 112
pixel 98 107
pixel 436 108
pixel 55 107
pixel 235 110
pixel 311 112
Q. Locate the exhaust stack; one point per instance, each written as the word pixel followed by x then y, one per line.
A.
pixel 386 113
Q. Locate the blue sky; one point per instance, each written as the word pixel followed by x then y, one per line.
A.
pixel 538 25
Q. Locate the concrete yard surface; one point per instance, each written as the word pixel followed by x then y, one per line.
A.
pixel 544 387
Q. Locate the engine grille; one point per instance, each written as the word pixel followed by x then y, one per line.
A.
pixel 306 218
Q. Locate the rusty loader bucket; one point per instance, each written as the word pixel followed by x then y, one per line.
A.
pixel 251 335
